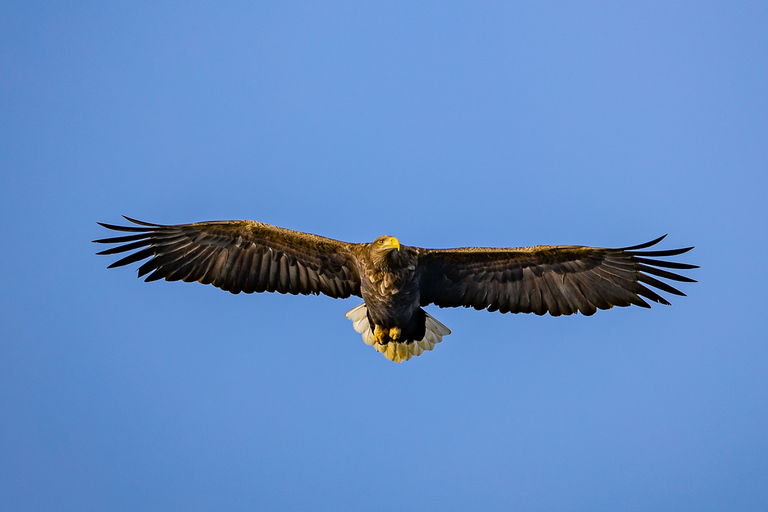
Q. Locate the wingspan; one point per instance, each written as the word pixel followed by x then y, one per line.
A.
pixel 239 256
pixel 559 280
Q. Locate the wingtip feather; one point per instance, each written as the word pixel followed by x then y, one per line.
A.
pixel 141 222
pixel 646 244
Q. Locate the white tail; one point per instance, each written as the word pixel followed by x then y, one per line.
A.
pixel 397 351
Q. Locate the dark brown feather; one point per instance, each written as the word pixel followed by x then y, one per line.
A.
pixel 560 280
pixel 239 256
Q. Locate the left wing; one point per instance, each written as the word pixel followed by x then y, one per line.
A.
pixel 239 256
pixel 554 279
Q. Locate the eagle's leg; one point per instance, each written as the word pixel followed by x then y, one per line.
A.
pixel 380 335
pixel 384 336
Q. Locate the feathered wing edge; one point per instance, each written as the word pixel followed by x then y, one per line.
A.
pixel 397 351
pixel 648 264
pixel 237 256
pixel 560 280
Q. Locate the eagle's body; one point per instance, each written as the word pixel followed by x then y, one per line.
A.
pixel 396 281
pixel 389 285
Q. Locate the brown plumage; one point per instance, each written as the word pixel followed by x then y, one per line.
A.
pixel 395 281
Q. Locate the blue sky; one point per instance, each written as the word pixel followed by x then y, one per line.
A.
pixel 445 124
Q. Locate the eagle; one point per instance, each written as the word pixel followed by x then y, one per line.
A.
pixel 396 281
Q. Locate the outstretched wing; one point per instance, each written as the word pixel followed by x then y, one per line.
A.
pixel 239 256
pixel 555 279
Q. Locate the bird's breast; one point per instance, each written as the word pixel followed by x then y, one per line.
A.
pixel 386 283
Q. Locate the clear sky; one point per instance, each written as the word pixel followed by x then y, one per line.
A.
pixel 445 124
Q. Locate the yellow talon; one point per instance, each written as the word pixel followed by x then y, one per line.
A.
pixel 384 336
pixel 379 334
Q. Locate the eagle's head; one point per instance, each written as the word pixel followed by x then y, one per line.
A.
pixel 383 248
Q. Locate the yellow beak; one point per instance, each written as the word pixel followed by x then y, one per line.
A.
pixel 391 243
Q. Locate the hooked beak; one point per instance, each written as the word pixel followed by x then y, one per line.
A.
pixel 391 243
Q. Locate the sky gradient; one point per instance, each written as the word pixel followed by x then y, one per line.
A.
pixel 444 124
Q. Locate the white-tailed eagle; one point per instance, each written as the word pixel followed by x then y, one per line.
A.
pixel 395 281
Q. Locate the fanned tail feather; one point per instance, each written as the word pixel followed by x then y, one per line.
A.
pixel 397 351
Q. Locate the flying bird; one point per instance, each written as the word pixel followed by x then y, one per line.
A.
pixel 396 281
